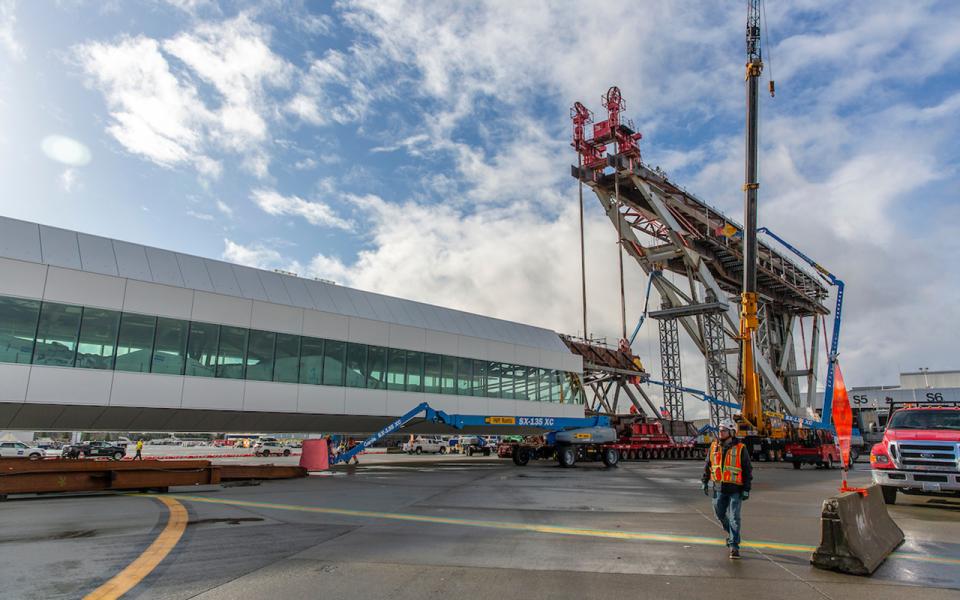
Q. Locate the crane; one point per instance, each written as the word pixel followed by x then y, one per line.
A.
pixel 752 411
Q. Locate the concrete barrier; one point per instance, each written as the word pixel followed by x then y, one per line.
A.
pixel 857 534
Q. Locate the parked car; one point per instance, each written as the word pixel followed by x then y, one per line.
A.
pixel 91 449
pixel 266 447
pixel 21 450
pixel 430 445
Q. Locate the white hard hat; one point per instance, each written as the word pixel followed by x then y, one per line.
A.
pixel 728 424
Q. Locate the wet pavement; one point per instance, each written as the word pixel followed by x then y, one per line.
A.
pixel 426 528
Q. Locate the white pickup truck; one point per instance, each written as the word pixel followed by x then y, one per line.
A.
pixel 421 444
pixel 21 450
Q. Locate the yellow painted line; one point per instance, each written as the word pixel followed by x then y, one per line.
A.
pixel 550 529
pixel 125 580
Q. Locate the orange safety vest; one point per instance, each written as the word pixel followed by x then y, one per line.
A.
pixel 726 471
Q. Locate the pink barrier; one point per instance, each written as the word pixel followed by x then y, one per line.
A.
pixel 315 456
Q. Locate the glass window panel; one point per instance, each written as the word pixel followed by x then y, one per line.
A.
pixel 356 365
pixel 448 375
pixel 286 363
pixel 464 376
pixel 170 347
pixel 480 378
pixel 202 349
pixel 57 334
pixel 98 338
pixel 260 348
pixel 334 357
pixel 311 360
pixel 397 360
pixel 431 373
pixel 414 371
pixel 230 356
pixel 556 386
pixel 568 391
pixel 494 380
pixel 533 383
pixel 135 343
pixel 543 394
pixel 18 326
pixel 376 367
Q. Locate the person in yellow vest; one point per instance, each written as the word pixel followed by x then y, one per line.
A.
pixel 139 455
pixel 728 467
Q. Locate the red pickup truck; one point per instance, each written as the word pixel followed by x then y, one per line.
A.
pixel 919 453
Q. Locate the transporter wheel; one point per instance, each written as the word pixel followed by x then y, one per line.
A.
pixel 610 457
pixel 889 494
pixel 567 456
pixel 797 465
pixel 521 456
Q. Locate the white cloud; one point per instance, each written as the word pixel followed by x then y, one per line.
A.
pixel 257 256
pixel 307 164
pixel 154 114
pixel 8 38
pixel 192 6
pixel 65 150
pixel 68 180
pixel 225 208
pixel 315 213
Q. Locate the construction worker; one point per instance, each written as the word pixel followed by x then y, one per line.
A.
pixel 139 454
pixel 728 467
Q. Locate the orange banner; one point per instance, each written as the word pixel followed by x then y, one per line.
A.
pixel 842 415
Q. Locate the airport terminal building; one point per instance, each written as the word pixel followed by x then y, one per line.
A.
pixel 101 334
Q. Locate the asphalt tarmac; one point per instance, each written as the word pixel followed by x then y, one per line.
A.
pixel 454 527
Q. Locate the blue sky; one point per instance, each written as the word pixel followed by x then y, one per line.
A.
pixel 420 149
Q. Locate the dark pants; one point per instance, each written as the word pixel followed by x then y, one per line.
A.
pixel 138 456
pixel 727 509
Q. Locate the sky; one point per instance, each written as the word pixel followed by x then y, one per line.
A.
pixel 421 148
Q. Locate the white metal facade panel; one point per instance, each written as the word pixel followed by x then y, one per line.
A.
pixel 323 400
pixel 399 312
pixel 341 300
pixel 496 406
pixel 551 360
pixel 222 277
pixel 276 317
pixel 250 285
pixel 20 240
pixel 194 271
pixel 441 342
pixel 364 402
pixel 96 254
pixel 447 322
pixel 13 382
pixel 380 308
pixel 471 347
pixel 56 385
pixel 321 298
pixel 225 310
pixel 501 352
pixel 132 261
pixel 263 396
pixel 408 338
pixel 399 403
pixel 60 247
pixel 361 303
pixel 365 331
pixel 155 299
pixel 413 310
pixel 19 278
pixel 164 267
pixel 527 356
pixel 297 290
pixel 87 289
pixel 144 389
pixel 212 394
pixel 325 325
pixel 273 286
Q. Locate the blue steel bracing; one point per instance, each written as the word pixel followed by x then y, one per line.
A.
pixel 826 414
pixel 646 303
pixel 702 394
pixel 461 421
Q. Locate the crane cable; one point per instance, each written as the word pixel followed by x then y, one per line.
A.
pixel 769 62
pixel 583 255
pixel 616 190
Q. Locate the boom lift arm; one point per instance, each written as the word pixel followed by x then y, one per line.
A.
pixel 549 424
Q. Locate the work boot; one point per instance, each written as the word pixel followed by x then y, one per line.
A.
pixel 734 554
